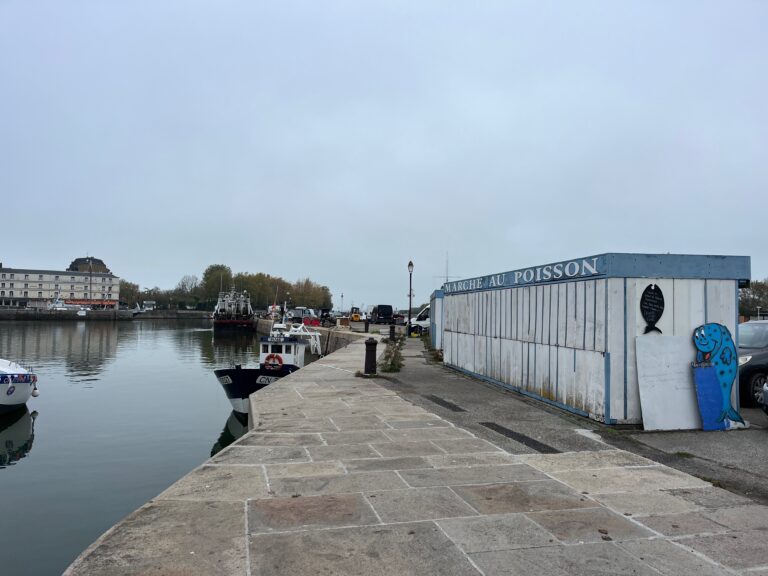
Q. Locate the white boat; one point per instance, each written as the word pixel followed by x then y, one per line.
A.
pixel 281 353
pixel 17 385
pixel 233 311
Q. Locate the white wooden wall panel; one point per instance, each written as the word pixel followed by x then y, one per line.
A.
pixel 600 315
pixel 632 390
pixel 591 307
pixel 561 314
pixel 615 344
pixel 688 306
pixel 542 369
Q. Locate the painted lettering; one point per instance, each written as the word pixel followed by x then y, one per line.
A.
pixel 518 274
pixel 538 274
pixel 572 269
pixel 557 269
pixel 586 266
pixel 528 275
pixel 546 273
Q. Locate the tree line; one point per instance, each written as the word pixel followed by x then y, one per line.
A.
pixel 202 294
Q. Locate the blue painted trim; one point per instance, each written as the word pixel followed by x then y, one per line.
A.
pixel 612 265
pixel 607 386
pixel 706 304
pixel 560 405
pixel 625 348
pixel 736 343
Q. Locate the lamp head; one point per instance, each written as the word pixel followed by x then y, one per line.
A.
pixel 410 266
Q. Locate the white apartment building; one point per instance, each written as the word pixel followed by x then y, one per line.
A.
pixel 87 282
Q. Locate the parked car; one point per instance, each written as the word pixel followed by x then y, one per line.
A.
pixel 753 360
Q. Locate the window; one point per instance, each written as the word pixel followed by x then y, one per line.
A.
pixel 109 296
pixel 26 285
pixel 71 294
pixel 85 294
pixel 26 293
pixel 39 276
pixel 72 287
pixel 39 285
pixel 265 348
pixel 10 293
pixel 11 285
pixel 11 276
pixel 287 348
pixel 3 275
pixel 39 294
pixel 277 348
pixel 103 280
pixel 56 287
pixel 2 292
pixel 26 276
pixel 72 278
pixel 55 277
pixel 3 284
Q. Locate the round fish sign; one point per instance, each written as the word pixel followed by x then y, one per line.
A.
pixel 652 307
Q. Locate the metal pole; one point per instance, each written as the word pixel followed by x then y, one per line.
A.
pixel 410 295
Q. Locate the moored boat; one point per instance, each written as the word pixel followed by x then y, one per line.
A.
pixel 17 432
pixel 281 353
pixel 17 385
pixel 233 311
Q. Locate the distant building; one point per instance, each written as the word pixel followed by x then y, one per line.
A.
pixel 87 282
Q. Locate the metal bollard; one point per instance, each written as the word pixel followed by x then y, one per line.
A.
pixel 366 325
pixel 391 332
pixel 370 356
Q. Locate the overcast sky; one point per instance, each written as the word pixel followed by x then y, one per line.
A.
pixel 337 140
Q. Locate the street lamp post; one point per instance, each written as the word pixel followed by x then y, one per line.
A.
pixel 410 294
pixel 342 304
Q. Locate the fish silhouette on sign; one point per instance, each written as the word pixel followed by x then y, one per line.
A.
pixel 652 307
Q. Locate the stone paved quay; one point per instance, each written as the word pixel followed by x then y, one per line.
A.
pixel 341 476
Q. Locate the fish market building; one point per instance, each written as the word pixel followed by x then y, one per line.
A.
pixel 567 332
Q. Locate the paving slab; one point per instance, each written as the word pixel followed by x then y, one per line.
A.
pixel 609 480
pixel 355 482
pixel 414 549
pixel 253 455
pixel 688 524
pixel 419 448
pixel 475 475
pixel 312 512
pixel 356 437
pixel 167 537
pixel 753 517
pixel 342 452
pixel 499 532
pixel 422 434
pixel 304 469
pixel 645 503
pixel 417 423
pixel 589 525
pixel 672 559
pixel 285 439
pixel 481 459
pixel 709 497
pixel 588 560
pixel 522 497
pixel 465 445
pixel 211 483
pixel 418 504
pixel 737 550
pixel 585 460
pixel 402 463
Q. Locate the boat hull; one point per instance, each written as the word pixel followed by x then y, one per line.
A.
pixel 244 325
pixel 14 396
pixel 239 383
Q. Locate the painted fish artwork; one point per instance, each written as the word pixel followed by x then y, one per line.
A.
pixel 715 371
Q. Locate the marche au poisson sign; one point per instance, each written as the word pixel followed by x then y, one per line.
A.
pixel 559 272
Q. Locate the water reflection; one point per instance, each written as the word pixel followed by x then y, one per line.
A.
pixel 235 427
pixel 85 347
pixel 17 432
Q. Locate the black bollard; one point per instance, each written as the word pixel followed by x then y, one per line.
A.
pixel 391 332
pixel 366 325
pixel 370 356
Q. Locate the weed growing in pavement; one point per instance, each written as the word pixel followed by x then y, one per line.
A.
pixel 392 360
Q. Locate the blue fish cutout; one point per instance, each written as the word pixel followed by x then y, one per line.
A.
pixel 714 347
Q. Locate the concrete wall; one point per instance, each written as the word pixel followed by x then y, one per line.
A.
pixel 572 342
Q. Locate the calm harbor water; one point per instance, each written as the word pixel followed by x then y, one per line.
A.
pixel 125 409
